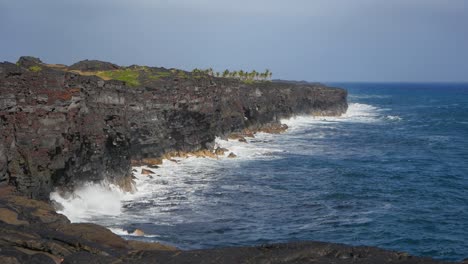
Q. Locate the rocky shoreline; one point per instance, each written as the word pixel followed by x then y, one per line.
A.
pixel 64 125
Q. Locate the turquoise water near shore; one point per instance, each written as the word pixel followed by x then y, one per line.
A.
pixel 392 173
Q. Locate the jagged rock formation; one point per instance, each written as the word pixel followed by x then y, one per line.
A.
pixel 60 125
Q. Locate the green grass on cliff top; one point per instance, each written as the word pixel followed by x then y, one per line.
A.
pixel 137 75
pixel 35 68
pixel 129 76
pixel 133 75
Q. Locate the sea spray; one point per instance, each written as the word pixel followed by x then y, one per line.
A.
pixel 89 200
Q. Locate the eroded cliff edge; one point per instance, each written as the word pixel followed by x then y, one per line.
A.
pixel 61 125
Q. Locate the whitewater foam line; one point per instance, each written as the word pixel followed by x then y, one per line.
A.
pixel 122 232
pixel 356 113
pixel 174 182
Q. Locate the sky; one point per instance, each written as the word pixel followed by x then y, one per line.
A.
pixel 313 40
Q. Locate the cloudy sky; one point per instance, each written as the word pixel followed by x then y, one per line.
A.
pixel 315 40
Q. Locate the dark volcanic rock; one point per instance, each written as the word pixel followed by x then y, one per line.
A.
pixel 301 252
pixel 28 61
pixel 59 128
pixel 93 65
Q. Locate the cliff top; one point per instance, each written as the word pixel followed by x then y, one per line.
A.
pixel 140 76
pixel 134 75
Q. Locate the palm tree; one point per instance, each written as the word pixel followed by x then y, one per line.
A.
pixel 226 73
pixel 268 74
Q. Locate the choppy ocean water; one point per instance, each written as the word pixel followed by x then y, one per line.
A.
pixel 392 173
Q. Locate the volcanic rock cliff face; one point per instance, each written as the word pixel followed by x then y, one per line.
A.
pixel 62 125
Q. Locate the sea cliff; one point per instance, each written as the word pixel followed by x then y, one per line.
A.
pixel 62 125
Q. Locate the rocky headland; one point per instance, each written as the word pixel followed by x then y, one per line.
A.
pixel 63 125
pixel 90 121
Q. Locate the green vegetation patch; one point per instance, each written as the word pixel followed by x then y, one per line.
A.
pixel 182 75
pixel 129 76
pixel 159 75
pixel 35 68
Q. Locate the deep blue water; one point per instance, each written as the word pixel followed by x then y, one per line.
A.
pixel 394 174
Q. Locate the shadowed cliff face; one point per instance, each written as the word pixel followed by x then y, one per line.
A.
pixel 62 125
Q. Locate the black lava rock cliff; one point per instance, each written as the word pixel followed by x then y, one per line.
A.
pixel 62 125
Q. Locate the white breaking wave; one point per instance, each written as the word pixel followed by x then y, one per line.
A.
pixel 122 232
pixel 90 200
pixel 361 113
pixel 393 118
pixel 357 113
pixel 119 231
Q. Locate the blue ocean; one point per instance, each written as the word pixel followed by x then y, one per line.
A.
pixel 392 173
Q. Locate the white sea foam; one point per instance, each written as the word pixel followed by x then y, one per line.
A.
pixel 178 184
pixel 357 113
pixel 119 231
pixel 123 232
pixel 260 147
pixel 393 118
pixel 89 200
